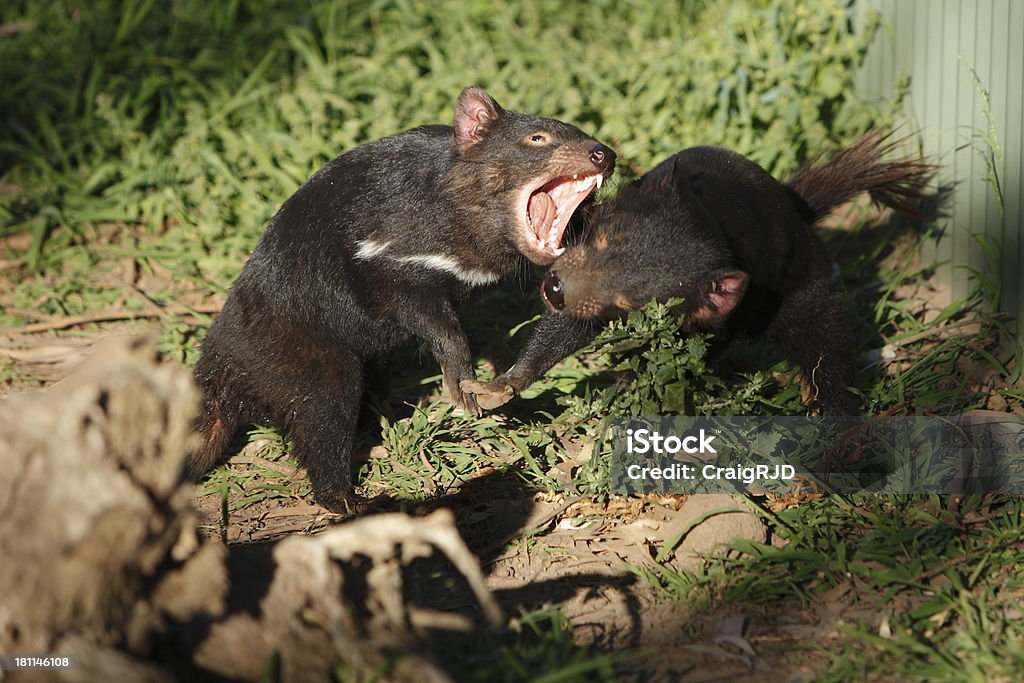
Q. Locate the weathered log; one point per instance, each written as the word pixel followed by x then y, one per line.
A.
pixel 102 560
pixel 91 506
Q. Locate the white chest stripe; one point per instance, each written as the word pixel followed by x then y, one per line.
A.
pixel 369 248
pixel 450 265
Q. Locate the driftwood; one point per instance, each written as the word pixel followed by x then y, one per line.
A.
pixel 100 556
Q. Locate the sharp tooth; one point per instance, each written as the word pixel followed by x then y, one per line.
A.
pixel 600 179
pixel 575 176
pixel 559 251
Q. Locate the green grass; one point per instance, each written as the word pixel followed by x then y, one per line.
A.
pixel 936 592
pixel 539 647
pixel 161 137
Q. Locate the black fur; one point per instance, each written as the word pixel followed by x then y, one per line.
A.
pixel 714 228
pixel 379 244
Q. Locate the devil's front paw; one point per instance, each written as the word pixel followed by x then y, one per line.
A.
pixel 488 395
pixel 342 501
pixel 460 398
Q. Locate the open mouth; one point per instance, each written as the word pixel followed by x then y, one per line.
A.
pixel 548 208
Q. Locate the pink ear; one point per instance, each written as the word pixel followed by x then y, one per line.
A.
pixel 668 178
pixel 725 291
pixel 475 113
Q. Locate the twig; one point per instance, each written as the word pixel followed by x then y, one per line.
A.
pixel 108 316
pixel 154 305
pixel 263 462
pixel 25 313
pixel 426 462
pixel 934 332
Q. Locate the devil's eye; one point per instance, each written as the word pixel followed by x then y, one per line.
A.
pixel 538 138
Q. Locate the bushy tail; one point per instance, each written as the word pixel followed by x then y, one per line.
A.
pixel 859 168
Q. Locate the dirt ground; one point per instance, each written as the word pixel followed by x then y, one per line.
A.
pixel 537 550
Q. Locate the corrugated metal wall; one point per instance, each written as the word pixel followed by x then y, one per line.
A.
pixel 938 43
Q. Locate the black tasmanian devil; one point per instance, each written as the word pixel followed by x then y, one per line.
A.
pixel 377 246
pixel 714 228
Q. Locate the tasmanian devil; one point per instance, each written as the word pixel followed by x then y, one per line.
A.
pixel 714 228
pixel 377 246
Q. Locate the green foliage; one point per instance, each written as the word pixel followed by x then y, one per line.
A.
pixel 939 590
pixel 668 370
pixel 201 117
pixel 946 585
pixel 432 450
